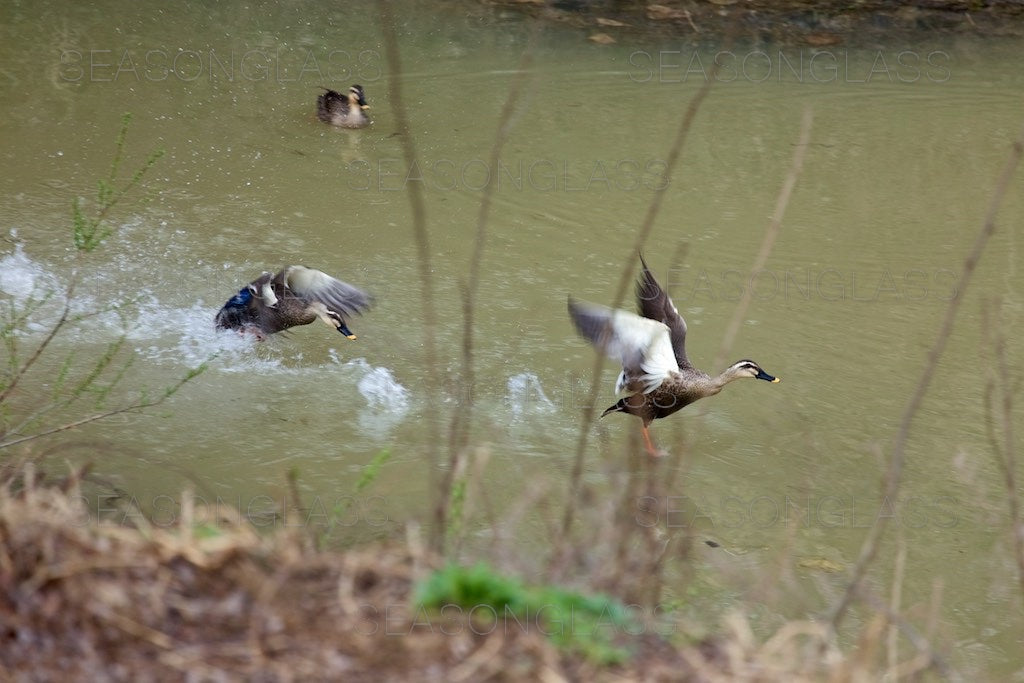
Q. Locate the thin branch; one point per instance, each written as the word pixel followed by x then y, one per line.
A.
pixel 80 422
pixel 139 405
pixel 462 416
pixel 895 597
pixel 770 234
pixel 934 660
pixel 869 549
pixel 420 236
pixel 644 231
pixel 17 376
pixel 1004 451
pixel 767 244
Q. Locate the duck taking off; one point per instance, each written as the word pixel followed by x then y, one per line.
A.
pixel 346 111
pixel 294 296
pixel 651 346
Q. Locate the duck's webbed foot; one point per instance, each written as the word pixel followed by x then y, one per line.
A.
pixel 256 332
pixel 649 445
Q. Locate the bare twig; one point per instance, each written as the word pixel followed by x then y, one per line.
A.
pixel 57 326
pixel 869 548
pixel 138 405
pixel 770 234
pixel 1004 449
pixel 644 231
pixel 895 598
pixel 934 660
pixel 131 627
pixel 462 415
pixel 767 244
pixel 422 239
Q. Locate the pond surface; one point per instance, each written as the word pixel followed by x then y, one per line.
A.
pixel 906 145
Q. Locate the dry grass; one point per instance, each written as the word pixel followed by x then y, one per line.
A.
pixel 88 600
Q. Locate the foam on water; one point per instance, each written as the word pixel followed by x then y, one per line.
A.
pixel 387 401
pixel 25 280
pixel 379 387
pixel 525 395
pixel 162 332
pixel 186 335
pixel 193 340
pixel 158 332
pixel 21 277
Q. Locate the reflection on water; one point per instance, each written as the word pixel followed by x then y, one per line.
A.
pixel 894 187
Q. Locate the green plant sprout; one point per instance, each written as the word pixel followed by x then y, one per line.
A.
pixel 574 621
pixel 23 418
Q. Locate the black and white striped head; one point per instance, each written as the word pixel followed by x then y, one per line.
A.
pixel 356 97
pixel 748 368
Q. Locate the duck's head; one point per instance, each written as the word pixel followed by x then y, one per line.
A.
pixel 262 289
pixel 357 98
pixel 748 368
pixel 339 323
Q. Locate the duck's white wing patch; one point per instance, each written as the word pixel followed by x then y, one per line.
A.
pixel 267 294
pixel 642 345
pixel 659 359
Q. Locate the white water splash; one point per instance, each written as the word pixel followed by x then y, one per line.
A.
pixel 164 332
pixel 187 336
pixel 21 277
pixel 525 395
pixel 380 389
pixel 387 401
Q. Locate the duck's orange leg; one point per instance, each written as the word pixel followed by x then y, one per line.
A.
pixel 650 445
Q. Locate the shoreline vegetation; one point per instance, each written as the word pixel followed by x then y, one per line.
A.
pixel 206 597
pixel 209 598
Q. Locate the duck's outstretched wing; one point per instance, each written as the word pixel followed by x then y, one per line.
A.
pixel 655 303
pixel 642 345
pixel 315 285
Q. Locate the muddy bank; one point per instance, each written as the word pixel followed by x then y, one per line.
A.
pixel 209 599
pixel 789 21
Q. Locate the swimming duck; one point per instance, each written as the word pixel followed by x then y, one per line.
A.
pixel 347 111
pixel 652 349
pixel 294 296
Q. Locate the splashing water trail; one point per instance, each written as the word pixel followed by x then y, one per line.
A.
pixel 525 394
pixel 380 389
pixel 21 277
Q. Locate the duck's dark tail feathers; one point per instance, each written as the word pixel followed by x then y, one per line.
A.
pixel 233 314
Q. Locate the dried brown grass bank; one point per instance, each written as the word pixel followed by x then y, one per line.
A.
pixel 82 599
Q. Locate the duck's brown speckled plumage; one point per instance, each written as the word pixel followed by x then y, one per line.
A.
pixel 651 346
pixel 344 110
pixel 294 296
